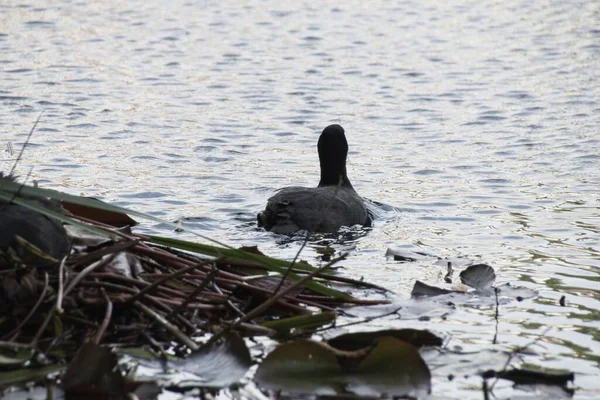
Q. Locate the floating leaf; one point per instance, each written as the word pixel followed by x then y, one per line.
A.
pixel 401 254
pixel 529 377
pixel 479 276
pixel 421 289
pixel 389 366
pixel 359 340
pixel 218 366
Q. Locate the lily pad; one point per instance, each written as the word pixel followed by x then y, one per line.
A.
pixel 217 366
pixel 359 340
pixel 389 366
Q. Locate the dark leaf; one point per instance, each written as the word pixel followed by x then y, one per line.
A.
pixel 105 216
pixel 526 377
pixel 389 366
pixel 93 372
pixel 359 340
pixel 421 289
pixel 479 276
pixel 218 366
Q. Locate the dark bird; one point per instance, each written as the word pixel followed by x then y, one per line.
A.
pixel 332 204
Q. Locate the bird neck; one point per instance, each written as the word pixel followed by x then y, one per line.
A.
pixel 334 176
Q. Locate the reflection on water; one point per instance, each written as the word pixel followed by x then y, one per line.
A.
pixel 477 121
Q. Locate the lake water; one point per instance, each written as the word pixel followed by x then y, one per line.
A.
pixel 478 120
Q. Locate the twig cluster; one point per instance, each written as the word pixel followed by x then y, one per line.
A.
pixel 128 290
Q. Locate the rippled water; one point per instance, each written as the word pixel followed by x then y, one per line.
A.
pixel 478 120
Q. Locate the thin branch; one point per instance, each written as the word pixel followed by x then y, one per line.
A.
pixel 267 304
pixel 25 144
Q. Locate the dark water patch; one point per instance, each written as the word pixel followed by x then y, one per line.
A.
pixel 81 126
pixel 205 149
pixel 283 134
pixel 588 157
pixel 70 166
pixel 173 155
pixel 518 207
pixel 144 158
pixel 84 80
pixel 495 181
pixel 39 23
pixel 426 172
pixel 144 195
pixel 18 71
pixel 49 103
pixel 216 159
pixel 13 98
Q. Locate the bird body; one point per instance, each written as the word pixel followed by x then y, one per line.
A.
pixel 332 204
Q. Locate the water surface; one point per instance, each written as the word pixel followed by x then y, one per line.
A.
pixel 477 120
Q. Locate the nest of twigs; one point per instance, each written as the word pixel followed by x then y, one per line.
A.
pixel 132 290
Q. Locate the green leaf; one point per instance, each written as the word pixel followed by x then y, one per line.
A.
pixel 11 358
pixel 27 375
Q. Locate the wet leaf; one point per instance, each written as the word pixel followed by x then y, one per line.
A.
pixel 479 276
pixel 91 211
pixel 218 366
pixel 421 289
pixel 389 366
pixel 93 372
pixel 529 377
pixel 358 340
pixel 399 254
